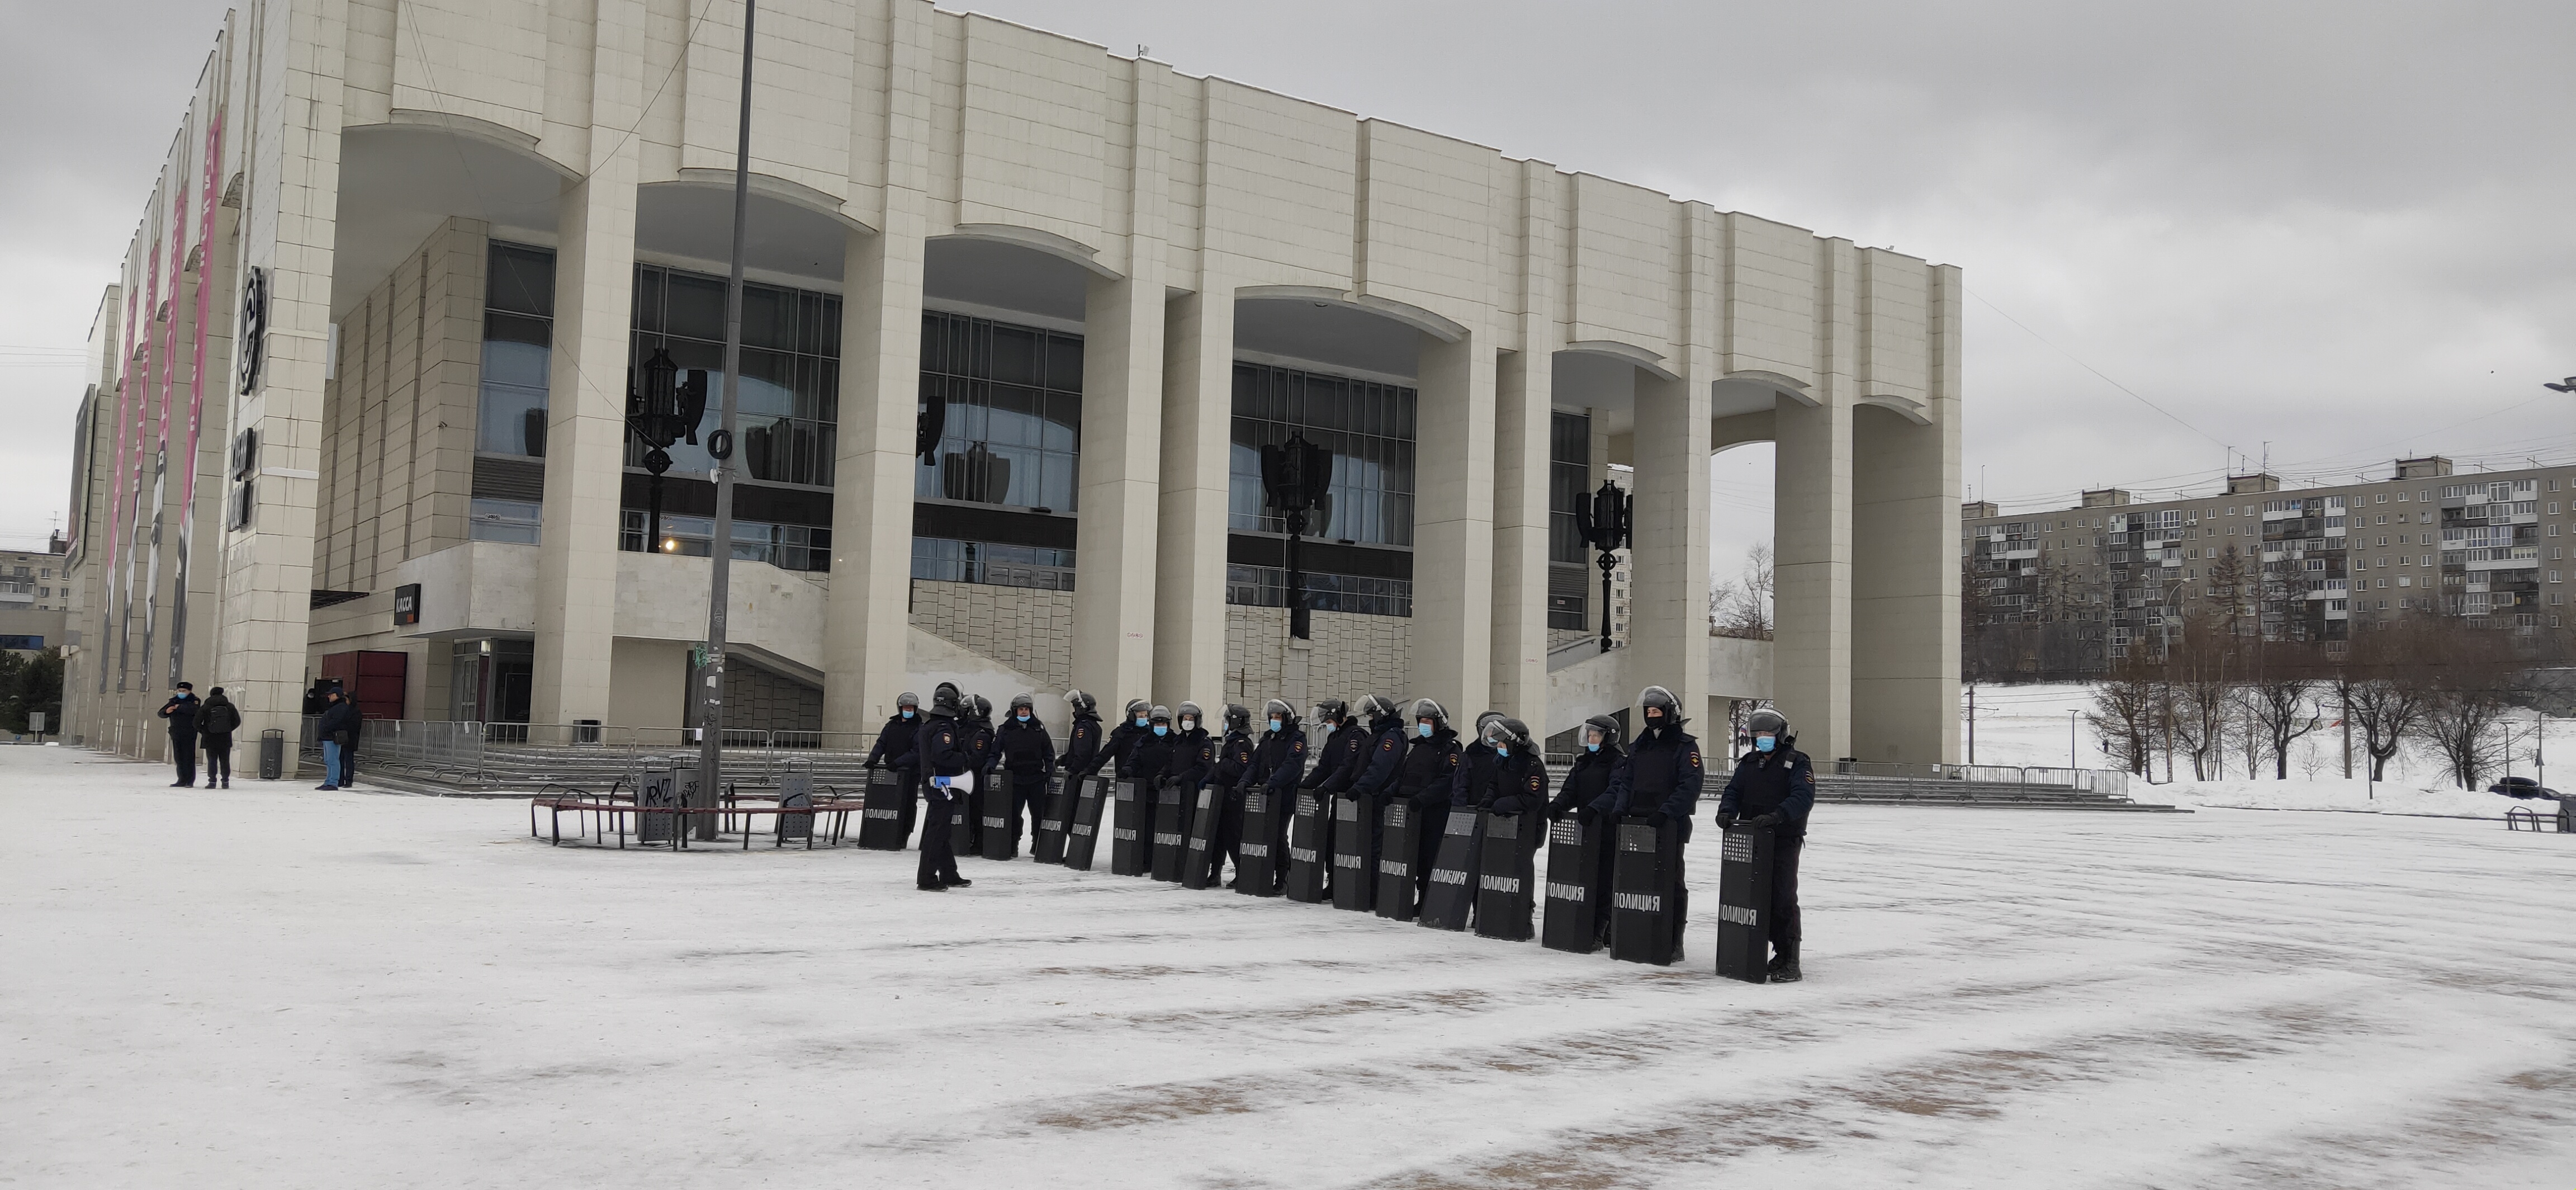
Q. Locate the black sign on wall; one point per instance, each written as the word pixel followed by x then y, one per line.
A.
pixel 406 604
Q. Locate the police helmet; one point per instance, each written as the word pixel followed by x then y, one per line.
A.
pixel 1191 712
pixel 1500 730
pixel 944 700
pixel 1158 713
pixel 1656 698
pixel 1137 706
pixel 1082 703
pixel 1332 710
pixel 1237 718
pixel 1024 699
pixel 1486 720
pixel 1279 709
pixel 1607 726
pixel 1424 708
pixel 983 707
pixel 1768 720
pixel 1376 706
pixel 907 699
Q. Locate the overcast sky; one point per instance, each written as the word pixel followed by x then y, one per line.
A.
pixel 2340 232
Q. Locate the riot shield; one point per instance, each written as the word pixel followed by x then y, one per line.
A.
pixel 961 821
pixel 1258 872
pixel 881 811
pixel 1171 831
pixel 1574 888
pixel 1353 884
pixel 1504 876
pixel 1046 844
pixel 1395 852
pixel 1129 815
pixel 1000 841
pixel 1305 850
pixel 1452 892
pixel 795 791
pixel 1744 905
pixel 1082 835
pixel 1205 809
pixel 1641 898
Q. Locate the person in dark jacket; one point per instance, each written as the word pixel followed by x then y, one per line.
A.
pixel 216 723
pixel 1383 723
pixel 1028 754
pixel 1082 739
pixel 181 713
pixel 1122 739
pixel 894 750
pixel 1422 772
pixel 978 722
pixel 942 748
pixel 1193 753
pixel 1148 752
pixel 1774 786
pixel 1511 777
pixel 1659 782
pixel 1475 760
pixel 1278 760
pixel 1585 782
pixel 339 731
pixel 1233 749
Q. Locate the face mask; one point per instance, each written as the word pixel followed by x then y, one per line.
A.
pixel 1591 747
pixel 1162 730
pixel 907 712
pixel 1274 725
pixel 1764 743
pixel 1500 750
pixel 1189 725
pixel 1423 730
pixel 1024 716
pixel 1140 720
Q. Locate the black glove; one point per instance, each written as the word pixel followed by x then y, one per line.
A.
pixel 1586 815
pixel 1726 819
pixel 1657 819
pixel 1766 820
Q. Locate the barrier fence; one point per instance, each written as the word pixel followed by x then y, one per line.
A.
pixel 485 755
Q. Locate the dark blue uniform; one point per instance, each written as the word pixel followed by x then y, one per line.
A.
pixel 1277 762
pixel 1421 768
pixel 943 752
pixel 1659 781
pixel 1782 783
pixel 1081 746
pixel 1028 754
pixel 894 749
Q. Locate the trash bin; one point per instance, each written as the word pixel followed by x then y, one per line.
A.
pixel 272 754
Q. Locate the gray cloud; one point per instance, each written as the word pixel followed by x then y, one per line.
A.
pixel 2337 228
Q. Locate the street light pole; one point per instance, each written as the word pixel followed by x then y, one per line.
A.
pixel 720 445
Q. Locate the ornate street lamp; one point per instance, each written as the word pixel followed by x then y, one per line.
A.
pixel 1298 475
pixel 1607 522
pixel 661 410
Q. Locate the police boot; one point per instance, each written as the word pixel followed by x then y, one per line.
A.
pixel 1784 965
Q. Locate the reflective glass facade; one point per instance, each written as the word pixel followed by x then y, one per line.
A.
pixel 1013 433
pixel 1367 425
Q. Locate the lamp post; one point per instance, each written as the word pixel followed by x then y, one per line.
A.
pixel 720 446
pixel 1298 477
pixel 1607 522
pixel 662 409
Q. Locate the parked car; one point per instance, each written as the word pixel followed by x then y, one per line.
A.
pixel 2523 787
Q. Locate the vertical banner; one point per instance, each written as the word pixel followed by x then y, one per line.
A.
pixel 134 526
pixel 125 392
pixel 206 203
pixel 178 261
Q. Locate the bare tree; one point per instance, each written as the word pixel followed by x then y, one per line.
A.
pixel 2383 689
pixel 2283 712
pixel 2127 709
pixel 2203 695
pixel 2467 727
pixel 1743 607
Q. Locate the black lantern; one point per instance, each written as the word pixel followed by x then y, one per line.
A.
pixel 1607 522
pixel 662 409
pixel 1297 475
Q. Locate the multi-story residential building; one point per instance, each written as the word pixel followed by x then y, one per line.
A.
pixel 2312 564
pixel 35 588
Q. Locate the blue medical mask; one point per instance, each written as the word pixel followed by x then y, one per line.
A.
pixel 1274 725
pixel 1024 716
pixel 907 712
pixel 1423 730
pixel 1764 743
pixel 1141 721
pixel 1500 750
pixel 1162 729
pixel 1588 746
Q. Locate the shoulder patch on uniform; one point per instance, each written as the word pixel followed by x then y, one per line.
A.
pixel 1694 758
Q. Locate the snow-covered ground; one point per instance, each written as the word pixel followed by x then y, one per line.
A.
pixel 273 987
pixel 2032 725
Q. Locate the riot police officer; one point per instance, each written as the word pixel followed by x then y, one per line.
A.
pixel 1659 781
pixel 894 749
pixel 1081 740
pixel 1029 755
pixel 976 721
pixel 1421 772
pixel 1585 781
pixel 941 747
pixel 1148 752
pixel 1122 738
pixel 1193 754
pixel 1277 762
pixel 1774 786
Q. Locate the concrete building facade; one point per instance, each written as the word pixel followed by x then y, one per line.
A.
pixel 359 395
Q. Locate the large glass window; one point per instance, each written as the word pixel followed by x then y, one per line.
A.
pixel 518 331
pixel 1267 586
pixel 786 407
pixel 947 560
pixel 1369 428
pixel 1569 483
pixel 785 546
pixel 1014 429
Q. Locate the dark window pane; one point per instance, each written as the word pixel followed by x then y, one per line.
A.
pixel 1064 363
pixel 694 307
pixel 521 280
pixel 648 299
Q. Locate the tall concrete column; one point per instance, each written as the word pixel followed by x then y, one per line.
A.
pixel 1811 537
pixel 290 129
pixel 585 441
pixel 866 628
pixel 1117 539
pixel 1453 525
pixel 1905 588
pixel 1523 434
pixel 1189 574
pixel 1668 598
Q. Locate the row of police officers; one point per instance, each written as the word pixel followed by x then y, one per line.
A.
pixel 1376 753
